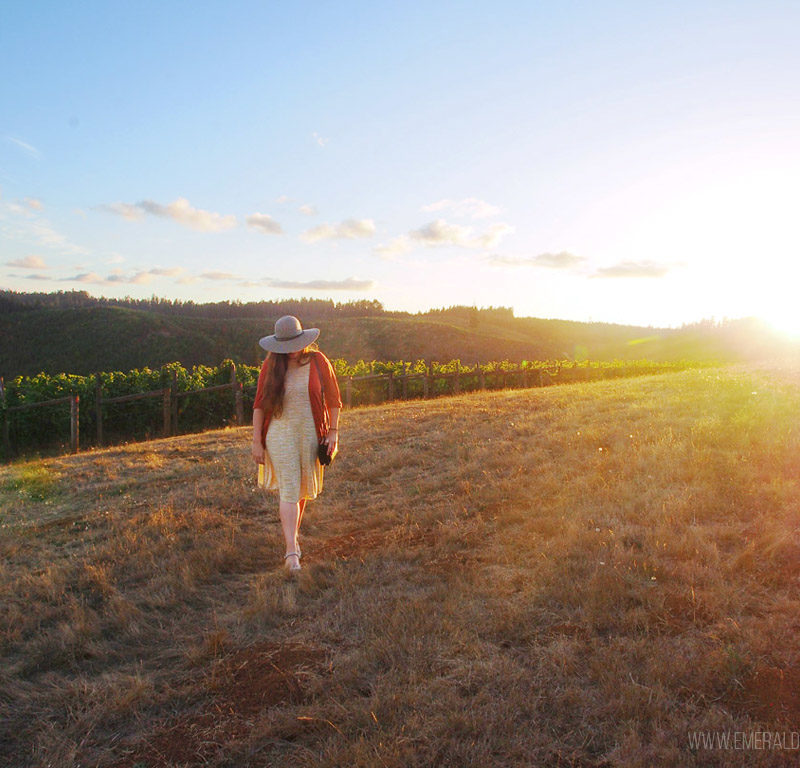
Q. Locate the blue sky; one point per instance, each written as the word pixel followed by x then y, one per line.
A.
pixel 619 161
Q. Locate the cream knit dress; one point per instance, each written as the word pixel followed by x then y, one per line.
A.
pixel 290 463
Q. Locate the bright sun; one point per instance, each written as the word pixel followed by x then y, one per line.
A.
pixel 785 320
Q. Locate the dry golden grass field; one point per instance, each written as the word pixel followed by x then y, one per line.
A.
pixel 583 575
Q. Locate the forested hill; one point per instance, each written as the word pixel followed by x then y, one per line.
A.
pixel 75 333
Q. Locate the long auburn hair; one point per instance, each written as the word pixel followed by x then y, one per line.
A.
pixel 275 386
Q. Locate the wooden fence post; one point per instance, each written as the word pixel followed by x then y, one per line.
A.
pixel 348 392
pixel 237 396
pixel 405 381
pixel 6 432
pixel 174 402
pixel 426 382
pixel 239 404
pixel 457 379
pixel 74 423
pixel 167 391
pixel 98 408
pixel 391 385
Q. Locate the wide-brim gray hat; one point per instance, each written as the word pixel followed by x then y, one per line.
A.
pixel 289 336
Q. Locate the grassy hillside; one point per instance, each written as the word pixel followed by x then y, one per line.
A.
pixel 592 574
pixel 85 340
pixel 89 339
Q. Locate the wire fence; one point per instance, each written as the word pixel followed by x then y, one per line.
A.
pixel 70 423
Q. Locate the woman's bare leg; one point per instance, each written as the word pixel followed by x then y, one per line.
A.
pixel 290 514
pixel 302 504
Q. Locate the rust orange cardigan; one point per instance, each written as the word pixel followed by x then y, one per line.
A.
pixel 315 388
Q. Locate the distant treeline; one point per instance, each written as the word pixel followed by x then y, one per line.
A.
pixel 308 309
pixel 11 301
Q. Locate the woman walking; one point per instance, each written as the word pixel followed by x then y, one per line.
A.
pixel 296 408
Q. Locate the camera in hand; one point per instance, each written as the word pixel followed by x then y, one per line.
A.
pixel 323 455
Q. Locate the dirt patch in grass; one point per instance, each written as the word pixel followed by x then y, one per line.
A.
pixel 358 543
pixel 238 688
pixel 769 695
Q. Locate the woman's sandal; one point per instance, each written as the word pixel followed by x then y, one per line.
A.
pixel 293 568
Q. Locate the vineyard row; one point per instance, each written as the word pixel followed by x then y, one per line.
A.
pixel 67 412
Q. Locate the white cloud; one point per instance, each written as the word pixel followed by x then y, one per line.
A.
pixel 319 139
pixel 219 276
pixel 492 237
pixel 636 269
pixel 28 148
pixel 140 278
pixel 25 225
pixel 282 199
pixel 179 210
pixel 19 210
pixel 84 277
pixel 395 248
pixel 29 262
pixel 264 223
pixel 439 232
pixel 346 230
pixel 308 210
pixel 562 260
pixel 33 203
pixel 322 232
pixel 349 284
pixel 120 277
pixel 470 207
pixel 126 210
pixel 48 236
pixel 353 228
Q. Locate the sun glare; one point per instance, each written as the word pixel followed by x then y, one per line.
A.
pixel 786 321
